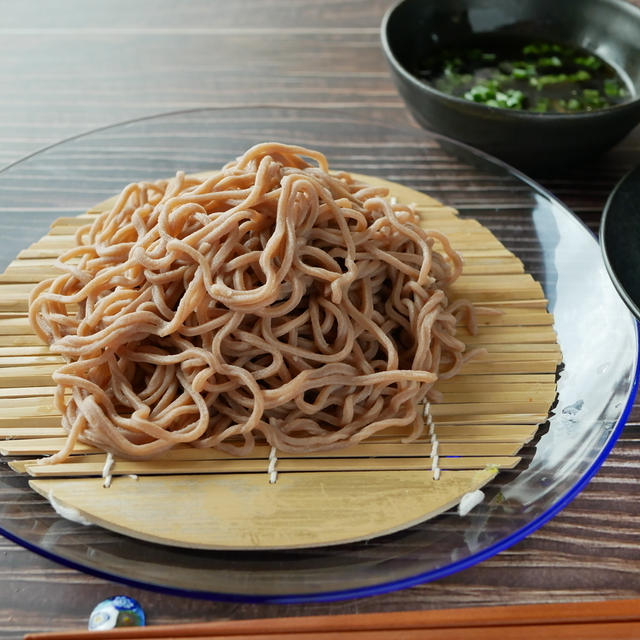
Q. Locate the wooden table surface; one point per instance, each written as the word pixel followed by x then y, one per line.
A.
pixel 67 66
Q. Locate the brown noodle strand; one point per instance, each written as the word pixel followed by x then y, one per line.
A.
pixel 272 299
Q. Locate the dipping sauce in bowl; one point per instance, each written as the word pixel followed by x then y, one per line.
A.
pixel 512 73
pixel 537 83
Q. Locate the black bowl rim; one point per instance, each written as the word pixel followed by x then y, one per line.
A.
pixel 605 225
pixel 517 114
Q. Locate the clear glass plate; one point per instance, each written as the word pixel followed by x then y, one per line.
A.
pixel 597 334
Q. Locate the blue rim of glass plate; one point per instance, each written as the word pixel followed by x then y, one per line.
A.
pixel 393 585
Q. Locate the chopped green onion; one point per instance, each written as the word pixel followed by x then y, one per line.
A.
pixel 530 49
pixel 542 105
pixel 553 61
pixel 540 77
pixel 581 76
pixel 588 61
pixel 613 89
pixel 479 93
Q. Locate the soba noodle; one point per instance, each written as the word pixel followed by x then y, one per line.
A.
pixel 272 300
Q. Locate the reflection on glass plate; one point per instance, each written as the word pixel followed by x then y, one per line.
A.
pixel 597 335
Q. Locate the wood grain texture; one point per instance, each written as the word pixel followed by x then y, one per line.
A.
pixel 67 66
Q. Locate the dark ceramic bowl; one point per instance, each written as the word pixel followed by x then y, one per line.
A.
pixel 608 28
pixel 620 239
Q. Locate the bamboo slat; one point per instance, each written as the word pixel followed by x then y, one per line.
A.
pixel 25 274
pixel 47 446
pixel 244 465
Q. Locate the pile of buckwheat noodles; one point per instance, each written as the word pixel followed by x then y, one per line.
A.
pixel 270 300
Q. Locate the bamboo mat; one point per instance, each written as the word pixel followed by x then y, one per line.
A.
pixel 207 499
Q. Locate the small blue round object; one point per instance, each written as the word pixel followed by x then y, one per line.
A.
pixel 119 611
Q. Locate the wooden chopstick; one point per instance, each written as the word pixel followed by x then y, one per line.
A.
pixel 606 620
pixel 589 631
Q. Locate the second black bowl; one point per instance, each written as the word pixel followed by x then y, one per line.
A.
pixel 608 28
